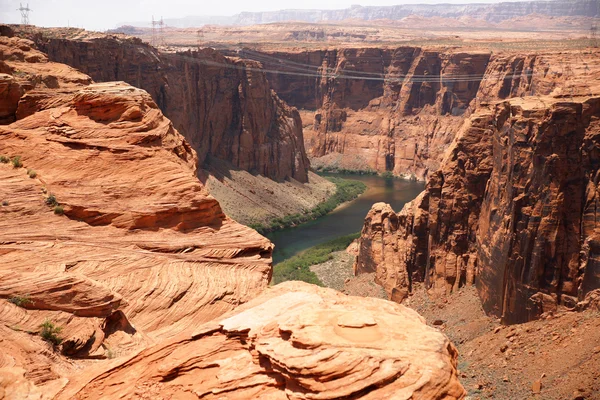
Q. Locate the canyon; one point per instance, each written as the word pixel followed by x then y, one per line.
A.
pixel 128 171
pixel 224 107
pixel 118 263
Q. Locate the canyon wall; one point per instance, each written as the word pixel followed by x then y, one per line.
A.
pixel 399 109
pixel 510 210
pixel 224 107
pixel 121 275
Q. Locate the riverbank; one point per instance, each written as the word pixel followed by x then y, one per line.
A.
pixel 346 219
pixel 346 190
pixel 297 268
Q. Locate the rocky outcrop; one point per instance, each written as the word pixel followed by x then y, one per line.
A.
pixel 510 210
pixel 224 107
pixel 295 341
pixel 120 273
pixel 490 12
pixel 105 230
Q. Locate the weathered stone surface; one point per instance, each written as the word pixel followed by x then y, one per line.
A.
pixel 295 341
pixel 511 209
pixel 224 107
pixel 136 252
pixel 399 109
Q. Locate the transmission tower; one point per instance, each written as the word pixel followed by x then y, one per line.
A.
pixel 158 35
pixel 594 35
pixel 200 38
pixel 24 13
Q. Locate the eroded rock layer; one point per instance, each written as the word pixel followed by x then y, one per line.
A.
pixel 510 210
pixel 224 107
pixel 120 273
pixel 296 341
pixel 106 233
pixel 399 109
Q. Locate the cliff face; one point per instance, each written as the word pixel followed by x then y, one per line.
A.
pixel 399 109
pixel 512 210
pixel 106 231
pixel 111 250
pixel 224 107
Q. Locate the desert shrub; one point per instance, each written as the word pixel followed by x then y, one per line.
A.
pixel 4 159
pixel 297 268
pixel 5 203
pixel 50 332
pixel 20 301
pixel 59 210
pixel 16 162
pixel 32 174
pixel 51 201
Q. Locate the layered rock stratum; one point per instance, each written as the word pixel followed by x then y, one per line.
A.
pixel 111 243
pixel 511 209
pixel 224 107
pixel 398 109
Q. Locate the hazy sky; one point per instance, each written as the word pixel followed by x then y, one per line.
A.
pixel 106 14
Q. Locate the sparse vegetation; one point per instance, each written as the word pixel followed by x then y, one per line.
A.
pixel 16 162
pixel 20 301
pixel 59 210
pixel 387 175
pixel 346 190
pixel 5 203
pixel 4 159
pixel 51 201
pixel 297 268
pixel 335 170
pixel 32 174
pixel 50 333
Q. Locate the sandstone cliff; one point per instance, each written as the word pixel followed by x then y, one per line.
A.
pixel 511 210
pixel 106 230
pixel 224 107
pixel 399 109
pixel 120 273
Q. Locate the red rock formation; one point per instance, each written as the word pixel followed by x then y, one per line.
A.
pixel 110 244
pixel 224 107
pixel 399 109
pixel 142 251
pixel 295 341
pixel 511 209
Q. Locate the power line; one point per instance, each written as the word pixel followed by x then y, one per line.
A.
pixel 389 78
pixel 24 13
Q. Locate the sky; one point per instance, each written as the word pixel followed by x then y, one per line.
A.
pixel 107 14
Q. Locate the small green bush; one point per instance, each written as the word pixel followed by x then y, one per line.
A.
pixel 387 175
pixel 20 301
pixel 59 210
pixel 4 159
pixel 297 268
pixel 16 162
pixel 51 201
pixel 50 333
pixel 32 174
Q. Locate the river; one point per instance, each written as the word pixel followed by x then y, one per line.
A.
pixel 346 219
